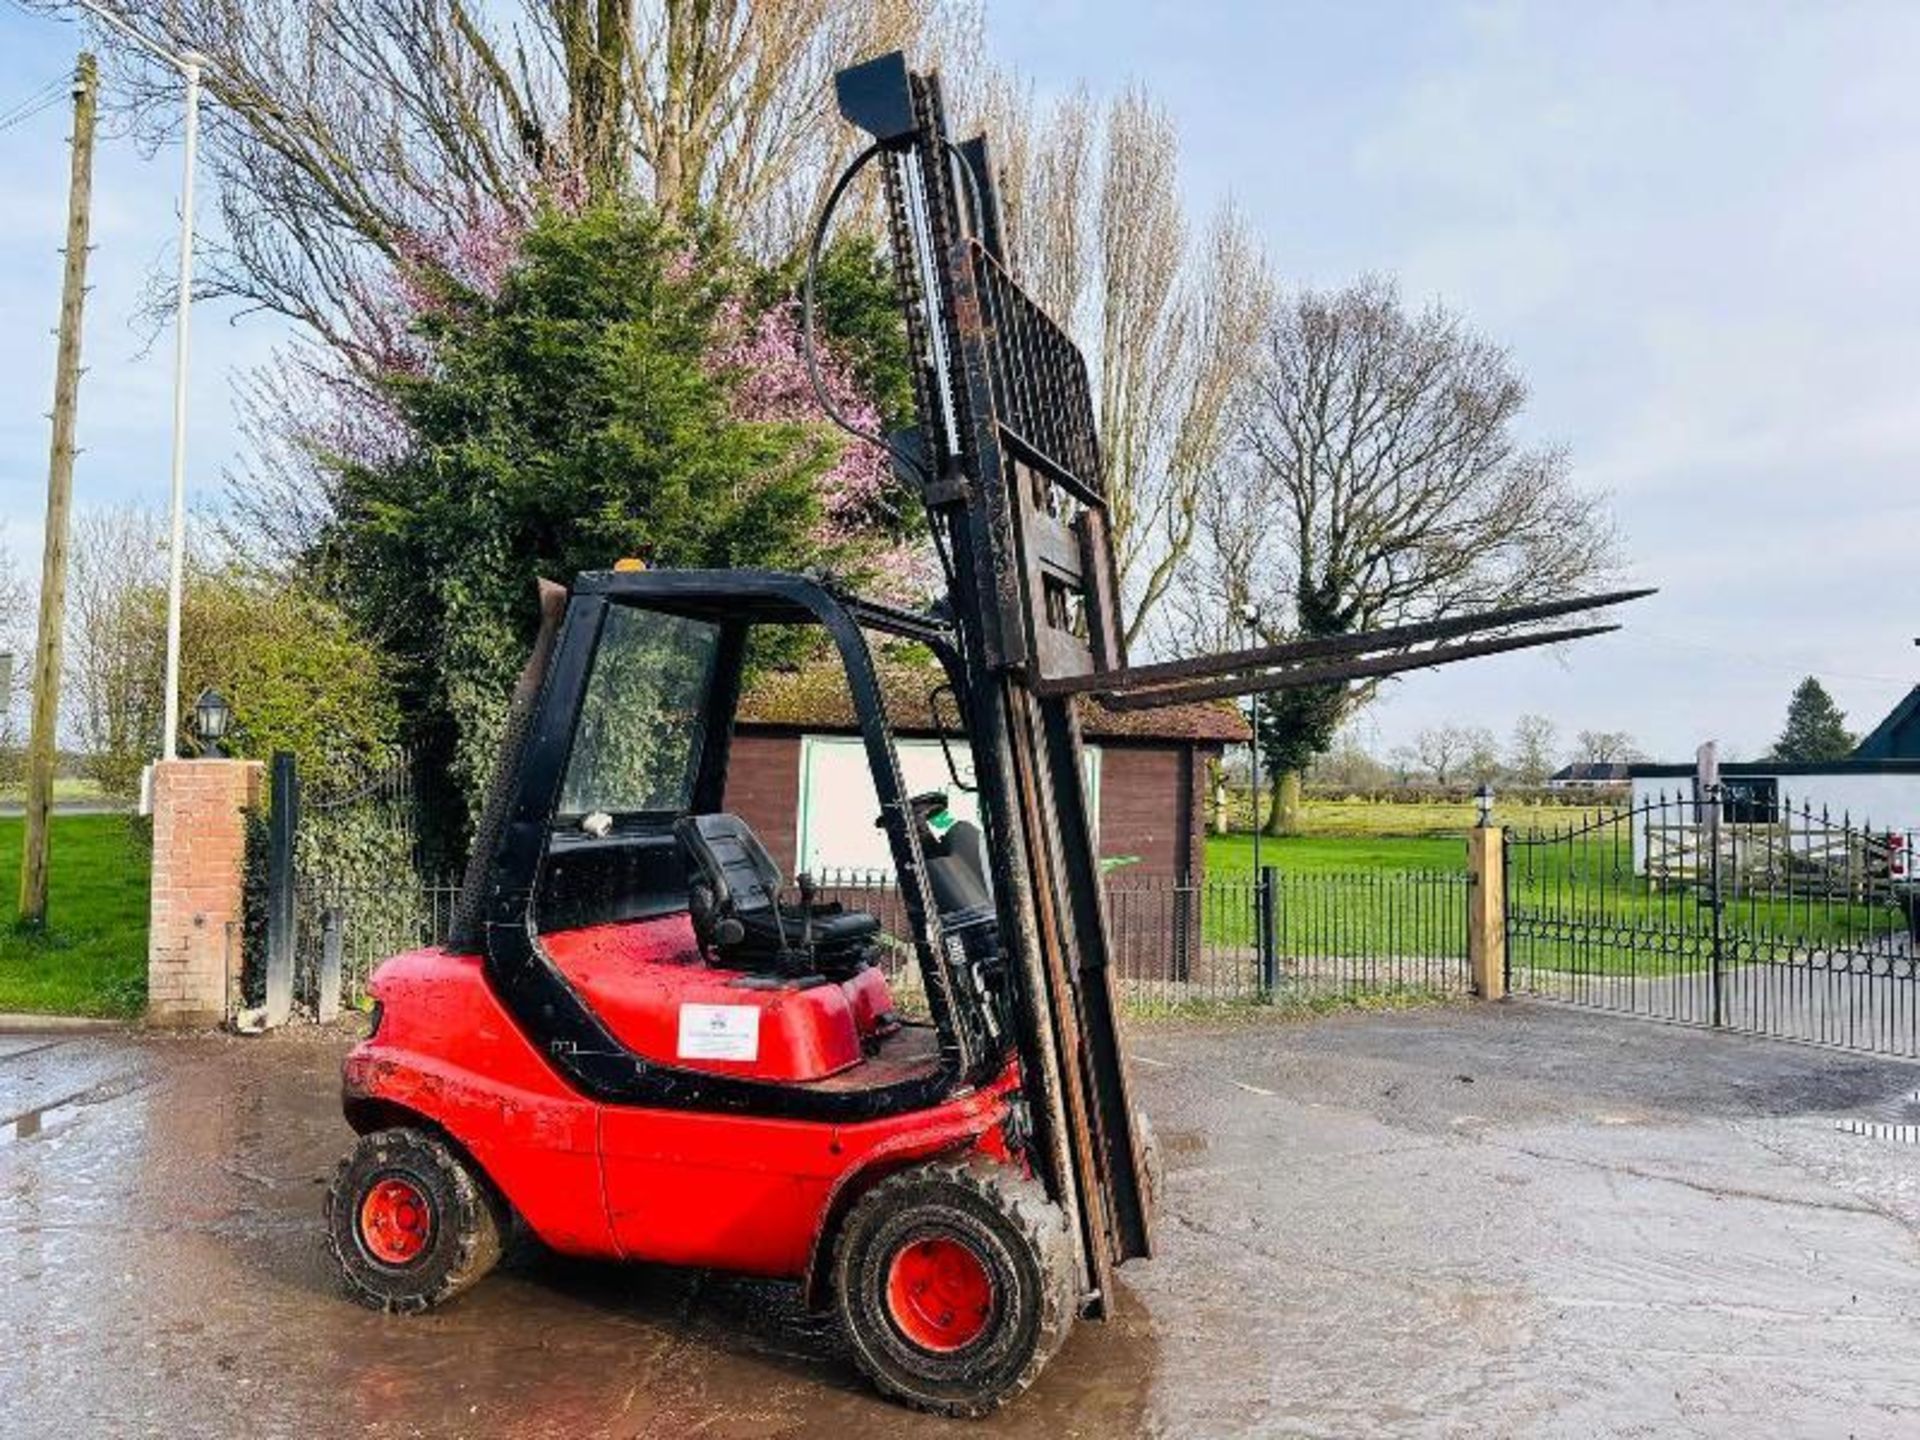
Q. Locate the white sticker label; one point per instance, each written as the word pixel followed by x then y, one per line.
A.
pixel 719 1032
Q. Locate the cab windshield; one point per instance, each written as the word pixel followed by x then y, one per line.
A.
pixel 642 721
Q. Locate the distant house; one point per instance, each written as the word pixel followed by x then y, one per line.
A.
pixel 1898 736
pixel 1590 775
pixel 798 773
pixel 1877 787
pixel 1876 794
pixel 1873 792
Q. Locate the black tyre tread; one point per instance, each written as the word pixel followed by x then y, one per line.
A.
pixel 481 1220
pixel 1042 1226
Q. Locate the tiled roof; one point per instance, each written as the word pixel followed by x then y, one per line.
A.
pixel 816 698
pixel 1592 770
pixel 1898 736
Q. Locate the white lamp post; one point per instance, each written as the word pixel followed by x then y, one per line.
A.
pixel 189 64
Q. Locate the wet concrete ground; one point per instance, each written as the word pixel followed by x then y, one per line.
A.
pixel 1511 1220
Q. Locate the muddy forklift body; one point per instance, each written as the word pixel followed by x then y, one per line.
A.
pixel 644 1048
pixel 640 1044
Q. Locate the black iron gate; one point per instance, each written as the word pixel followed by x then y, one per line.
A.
pixel 346 887
pixel 1735 909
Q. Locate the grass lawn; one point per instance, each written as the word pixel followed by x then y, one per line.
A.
pixel 1372 819
pixel 1342 894
pixel 1371 835
pixel 66 788
pixel 92 958
pixel 1368 874
pixel 1230 856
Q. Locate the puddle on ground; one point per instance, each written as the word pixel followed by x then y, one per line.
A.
pixel 30 1124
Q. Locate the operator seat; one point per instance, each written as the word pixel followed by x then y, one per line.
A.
pixel 734 899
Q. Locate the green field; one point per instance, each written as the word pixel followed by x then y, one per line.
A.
pixel 67 789
pixel 92 958
pixel 1231 856
pixel 1340 895
pixel 1373 880
pixel 1364 879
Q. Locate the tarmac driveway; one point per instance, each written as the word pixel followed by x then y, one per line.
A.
pixel 1452 1221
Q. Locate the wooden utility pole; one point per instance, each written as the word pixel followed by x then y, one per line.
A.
pixel 43 738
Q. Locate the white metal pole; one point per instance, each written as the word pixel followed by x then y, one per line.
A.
pixel 183 305
pixel 189 65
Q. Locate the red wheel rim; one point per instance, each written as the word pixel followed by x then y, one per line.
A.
pixel 396 1221
pixel 939 1293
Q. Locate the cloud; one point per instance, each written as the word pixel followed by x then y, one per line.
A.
pixel 125 411
pixel 1693 226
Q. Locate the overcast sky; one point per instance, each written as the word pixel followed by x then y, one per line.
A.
pixel 1694 226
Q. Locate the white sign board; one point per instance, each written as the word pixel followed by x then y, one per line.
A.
pixel 719 1032
pixel 838 807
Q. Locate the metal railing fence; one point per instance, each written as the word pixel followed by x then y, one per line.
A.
pixel 1279 938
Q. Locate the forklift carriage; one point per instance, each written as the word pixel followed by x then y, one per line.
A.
pixel 640 1046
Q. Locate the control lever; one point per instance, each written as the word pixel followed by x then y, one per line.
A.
pixel 808 892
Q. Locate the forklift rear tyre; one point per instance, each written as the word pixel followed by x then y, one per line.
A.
pixel 410 1223
pixel 955 1283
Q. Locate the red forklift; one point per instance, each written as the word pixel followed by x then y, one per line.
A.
pixel 638 1043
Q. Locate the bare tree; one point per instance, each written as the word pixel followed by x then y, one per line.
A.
pixel 348 140
pixel 1480 760
pixel 113 650
pixel 1405 763
pixel 345 139
pixel 1100 235
pixel 299 416
pixel 15 637
pixel 1531 749
pixel 1605 747
pixel 1349 765
pixel 733 101
pixel 1381 482
pixel 14 609
pixel 1441 750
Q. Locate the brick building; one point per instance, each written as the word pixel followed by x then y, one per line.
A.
pixel 799 776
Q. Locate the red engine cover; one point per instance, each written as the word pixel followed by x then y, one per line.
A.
pixel 646 981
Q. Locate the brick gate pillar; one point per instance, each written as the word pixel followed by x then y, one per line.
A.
pixel 199 863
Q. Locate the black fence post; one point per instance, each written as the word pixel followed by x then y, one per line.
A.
pixel 1186 927
pixel 1716 899
pixel 283 829
pixel 1269 909
pixel 1506 911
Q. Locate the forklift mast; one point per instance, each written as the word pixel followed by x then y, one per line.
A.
pixel 1006 457
pixel 1008 463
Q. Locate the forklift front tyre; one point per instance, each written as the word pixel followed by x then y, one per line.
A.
pixel 409 1222
pixel 955 1283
